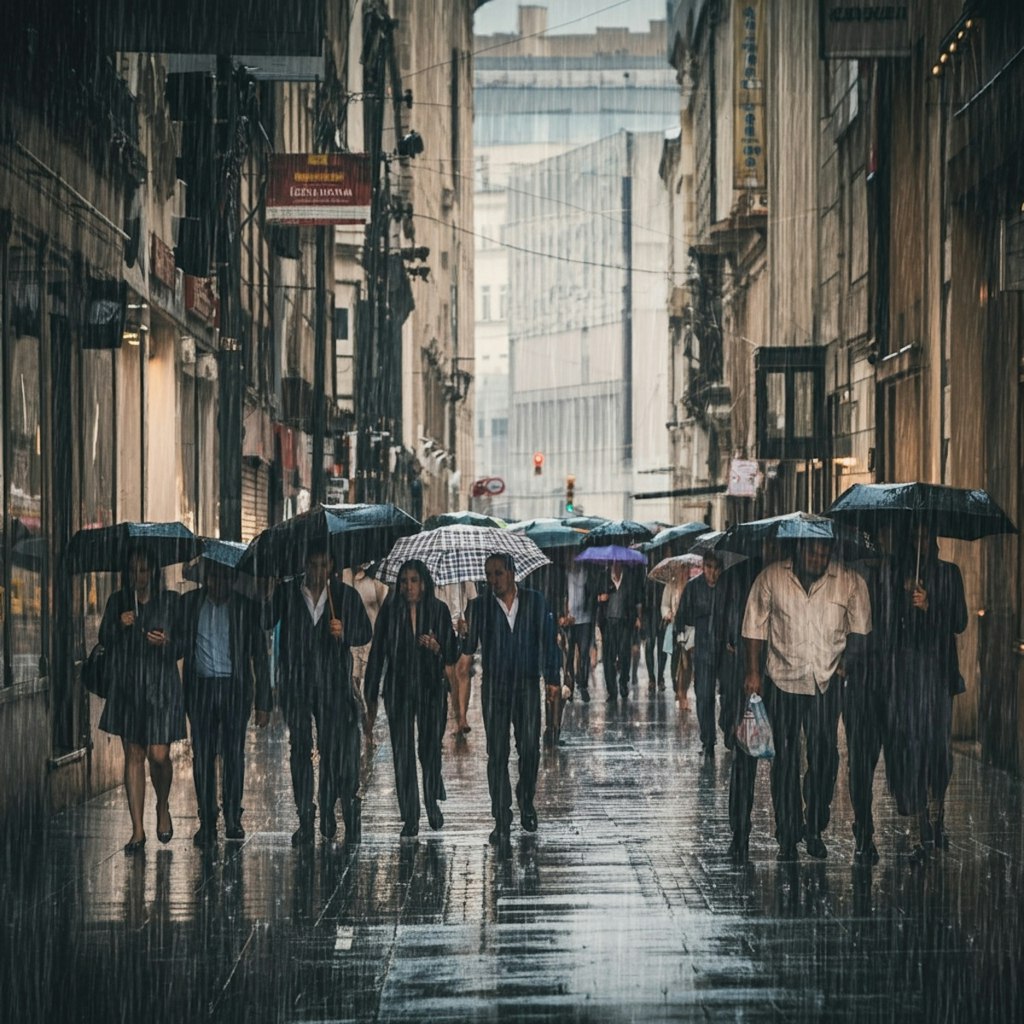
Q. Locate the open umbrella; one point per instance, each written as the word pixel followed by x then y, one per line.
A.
pixel 618 531
pixel 585 522
pixel 103 548
pixel 748 538
pixel 455 554
pixel 675 539
pixel 354 534
pixel 549 533
pixel 670 569
pixel 609 553
pixel 464 518
pixel 227 553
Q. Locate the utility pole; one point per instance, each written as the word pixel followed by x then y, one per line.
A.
pixel 319 423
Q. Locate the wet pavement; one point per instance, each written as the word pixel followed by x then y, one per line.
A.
pixel 622 907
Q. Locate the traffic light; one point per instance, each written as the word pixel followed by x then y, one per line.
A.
pixel 570 487
pixel 538 463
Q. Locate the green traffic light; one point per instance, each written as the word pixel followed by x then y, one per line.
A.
pixel 570 507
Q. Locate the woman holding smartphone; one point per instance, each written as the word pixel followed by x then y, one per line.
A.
pixel 145 705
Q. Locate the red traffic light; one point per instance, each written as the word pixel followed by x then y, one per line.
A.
pixel 538 463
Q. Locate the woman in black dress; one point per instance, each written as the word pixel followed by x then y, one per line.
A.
pixel 412 642
pixel 145 706
pixel 929 610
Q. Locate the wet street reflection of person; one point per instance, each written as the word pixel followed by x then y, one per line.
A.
pixel 226 669
pixel 929 611
pixel 145 705
pixel 413 641
pixel 516 631
pixel 320 618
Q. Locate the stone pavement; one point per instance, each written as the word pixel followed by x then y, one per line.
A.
pixel 622 907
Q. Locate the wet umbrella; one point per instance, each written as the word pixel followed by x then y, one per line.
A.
pixel 956 512
pixel 103 548
pixel 550 533
pixel 585 522
pixel 456 554
pixel 748 538
pixel 670 569
pixel 355 534
pixel 675 539
pixel 618 531
pixel 227 553
pixel 609 553
pixel 464 518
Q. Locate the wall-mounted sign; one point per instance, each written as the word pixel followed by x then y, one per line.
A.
pixel 489 485
pixel 161 263
pixel 744 478
pixel 201 297
pixel 750 156
pixel 864 29
pixel 318 188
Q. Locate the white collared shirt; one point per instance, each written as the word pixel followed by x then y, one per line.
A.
pixel 510 613
pixel 316 610
pixel 805 631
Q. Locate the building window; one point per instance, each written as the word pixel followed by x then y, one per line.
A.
pixel 503 302
pixel 485 302
pixel 791 403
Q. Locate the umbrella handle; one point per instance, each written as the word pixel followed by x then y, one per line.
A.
pixel 330 600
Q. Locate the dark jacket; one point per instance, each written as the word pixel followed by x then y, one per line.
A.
pixel 309 657
pixel 250 665
pixel 632 585
pixel 705 609
pixel 510 656
pixel 397 663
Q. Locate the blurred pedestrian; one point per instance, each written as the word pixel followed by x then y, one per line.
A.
pixel 620 603
pixel 413 640
pixel 578 622
pixel 515 630
pixel 373 594
pixel 320 620
pixel 145 706
pixel 226 669
pixel 460 675
pixel 930 610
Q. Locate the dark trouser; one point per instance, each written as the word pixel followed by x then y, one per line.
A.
pixel 705 678
pixel 579 638
pixel 426 708
pixel 654 656
pixel 617 637
pixel 337 738
pixel 789 713
pixel 864 711
pixel 516 704
pixel 733 700
pixel 219 714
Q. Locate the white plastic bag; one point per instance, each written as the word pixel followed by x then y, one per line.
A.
pixel 754 733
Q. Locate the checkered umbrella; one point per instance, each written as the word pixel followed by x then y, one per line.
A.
pixel 455 554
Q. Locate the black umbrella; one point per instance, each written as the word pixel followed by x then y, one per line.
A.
pixel 354 534
pixel 464 518
pixel 585 522
pixel 549 533
pixel 956 512
pixel 618 531
pixel 675 540
pixel 104 548
pixel 748 538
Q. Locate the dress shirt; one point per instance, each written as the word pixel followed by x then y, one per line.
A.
pixel 510 613
pixel 316 610
pixel 805 631
pixel 576 578
pixel 213 640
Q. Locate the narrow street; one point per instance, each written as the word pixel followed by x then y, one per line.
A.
pixel 623 907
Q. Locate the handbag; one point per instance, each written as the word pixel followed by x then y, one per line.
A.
pixel 754 732
pixel 95 677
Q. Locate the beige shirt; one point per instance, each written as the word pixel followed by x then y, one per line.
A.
pixel 805 631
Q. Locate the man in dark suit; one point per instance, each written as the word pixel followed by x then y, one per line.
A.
pixel 620 608
pixel 321 620
pixel 226 665
pixel 516 631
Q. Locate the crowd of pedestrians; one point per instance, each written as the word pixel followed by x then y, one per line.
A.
pixel 816 637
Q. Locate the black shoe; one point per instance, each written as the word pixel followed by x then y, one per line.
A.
pixel 499 834
pixel 709 752
pixel 623 692
pixel 661 685
pixel 206 835
pixel 303 835
pixel 410 829
pixel 328 824
pixel 353 815
pixel 134 845
pixel 787 853
pixel 739 851
pixel 584 695
pixel 435 817
pixel 816 848
pixel 612 698
pixel 866 855
pixel 528 818
pixel 168 834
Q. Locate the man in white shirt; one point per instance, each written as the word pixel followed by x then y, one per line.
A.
pixel 802 616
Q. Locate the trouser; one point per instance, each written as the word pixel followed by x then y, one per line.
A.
pixel 732 700
pixel 416 722
pixel 516 704
pixel 337 738
pixel 617 636
pixel 218 714
pixel 654 656
pixel 579 637
pixel 705 677
pixel 864 711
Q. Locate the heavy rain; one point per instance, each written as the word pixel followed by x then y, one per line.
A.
pixel 509 511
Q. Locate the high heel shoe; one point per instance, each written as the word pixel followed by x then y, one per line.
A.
pixel 168 835
pixel 134 845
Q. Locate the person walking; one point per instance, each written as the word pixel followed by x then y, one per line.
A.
pixel 929 611
pixel 145 705
pixel 321 619
pixel 226 667
pixel 456 596
pixel 803 615
pixel 620 603
pixel 578 623
pixel 515 630
pixel 413 640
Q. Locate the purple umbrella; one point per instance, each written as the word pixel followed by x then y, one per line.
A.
pixel 612 553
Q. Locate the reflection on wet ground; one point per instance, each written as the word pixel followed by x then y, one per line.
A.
pixel 622 907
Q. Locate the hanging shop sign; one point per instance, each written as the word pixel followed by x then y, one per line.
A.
pixel 750 157
pixel 201 297
pixel 864 29
pixel 744 478
pixel 318 188
pixel 161 261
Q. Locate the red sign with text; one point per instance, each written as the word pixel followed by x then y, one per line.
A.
pixel 318 188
